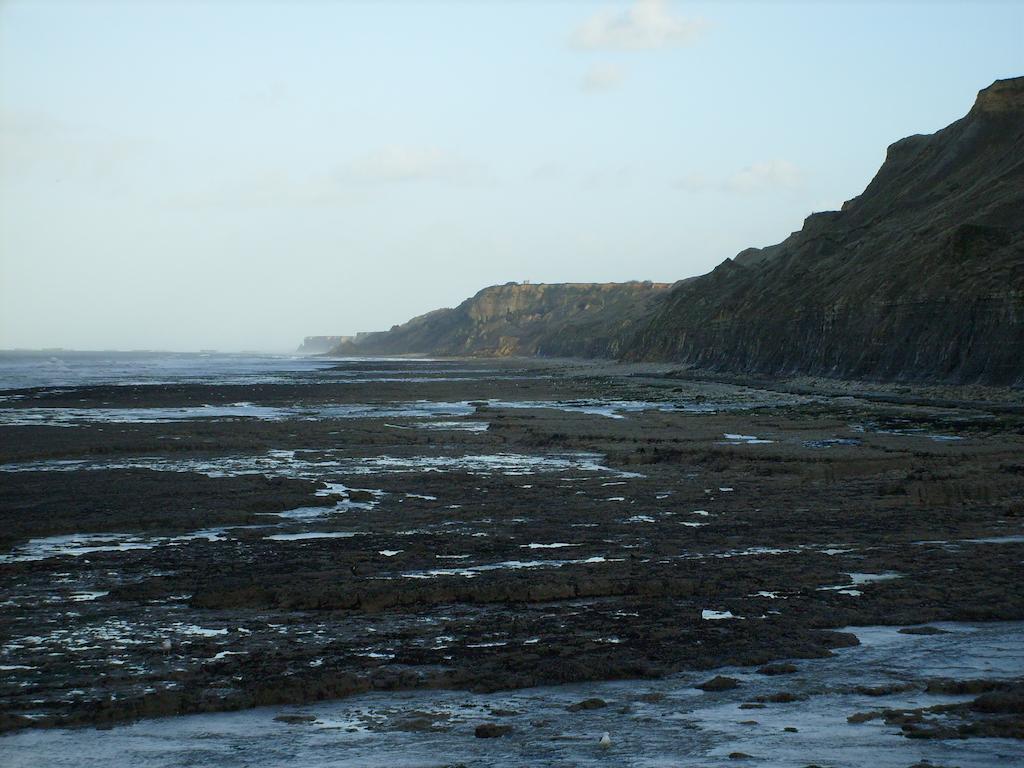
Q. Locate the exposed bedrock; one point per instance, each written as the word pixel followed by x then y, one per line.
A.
pixel 919 278
pixel 562 319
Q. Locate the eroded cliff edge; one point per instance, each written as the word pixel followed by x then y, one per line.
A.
pixel 919 278
pixel 560 319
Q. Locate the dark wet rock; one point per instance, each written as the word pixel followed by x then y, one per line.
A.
pixel 994 714
pixel 740 756
pixel 925 630
pixel 587 704
pixel 863 717
pixel 790 729
pixel 294 617
pixel 1000 702
pixel 887 689
pixel 752 705
pixel 134 500
pixel 841 640
pixel 492 731
pixel 9 722
pixel 782 668
pixel 297 719
pixel 783 697
pixel 718 683
pixel 919 731
pixel 962 687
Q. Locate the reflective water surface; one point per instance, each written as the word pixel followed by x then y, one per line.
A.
pixel 650 723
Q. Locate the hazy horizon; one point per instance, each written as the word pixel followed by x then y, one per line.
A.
pixel 238 176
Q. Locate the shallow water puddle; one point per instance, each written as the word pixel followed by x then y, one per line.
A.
pixel 910 432
pixel 859 579
pixel 323 465
pixel 70 417
pixel 614 409
pixel 1008 539
pixel 832 442
pixel 453 426
pixel 732 439
pixel 619 409
pixel 78 544
pixel 314 535
pixel 83 597
pixel 475 570
pixel 651 723
pixel 708 615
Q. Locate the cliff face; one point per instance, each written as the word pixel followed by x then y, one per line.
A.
pixel 316 345
pixel 565 319
pixel 921 277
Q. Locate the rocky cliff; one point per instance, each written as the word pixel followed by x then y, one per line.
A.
pixel 317 345
pixel 565 319
pixel 921 277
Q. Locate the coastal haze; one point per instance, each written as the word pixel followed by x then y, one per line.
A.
pixel 638 385
pixel 239 176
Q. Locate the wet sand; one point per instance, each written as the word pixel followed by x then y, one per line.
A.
pixel 479 525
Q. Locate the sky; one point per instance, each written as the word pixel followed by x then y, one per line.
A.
pixel 238 175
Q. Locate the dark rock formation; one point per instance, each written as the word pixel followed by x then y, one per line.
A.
pixel 295 719
pixel 921 277
pixel 719 683
pixel 318 345
pixel 587 704
pixel 492 731
pixel 782 668
pixel 925 630
pixel 564 319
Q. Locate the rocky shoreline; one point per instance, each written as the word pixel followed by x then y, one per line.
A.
pixel 478 526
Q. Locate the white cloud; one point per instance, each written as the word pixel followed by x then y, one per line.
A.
pixel 692 182
pixel 336 184
pixel 616 179
pixel 43 148
pixel 645 25
pixel 549 171
pixel 405 163
pixel 771 174
pixel 758 177
pixel 603 77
